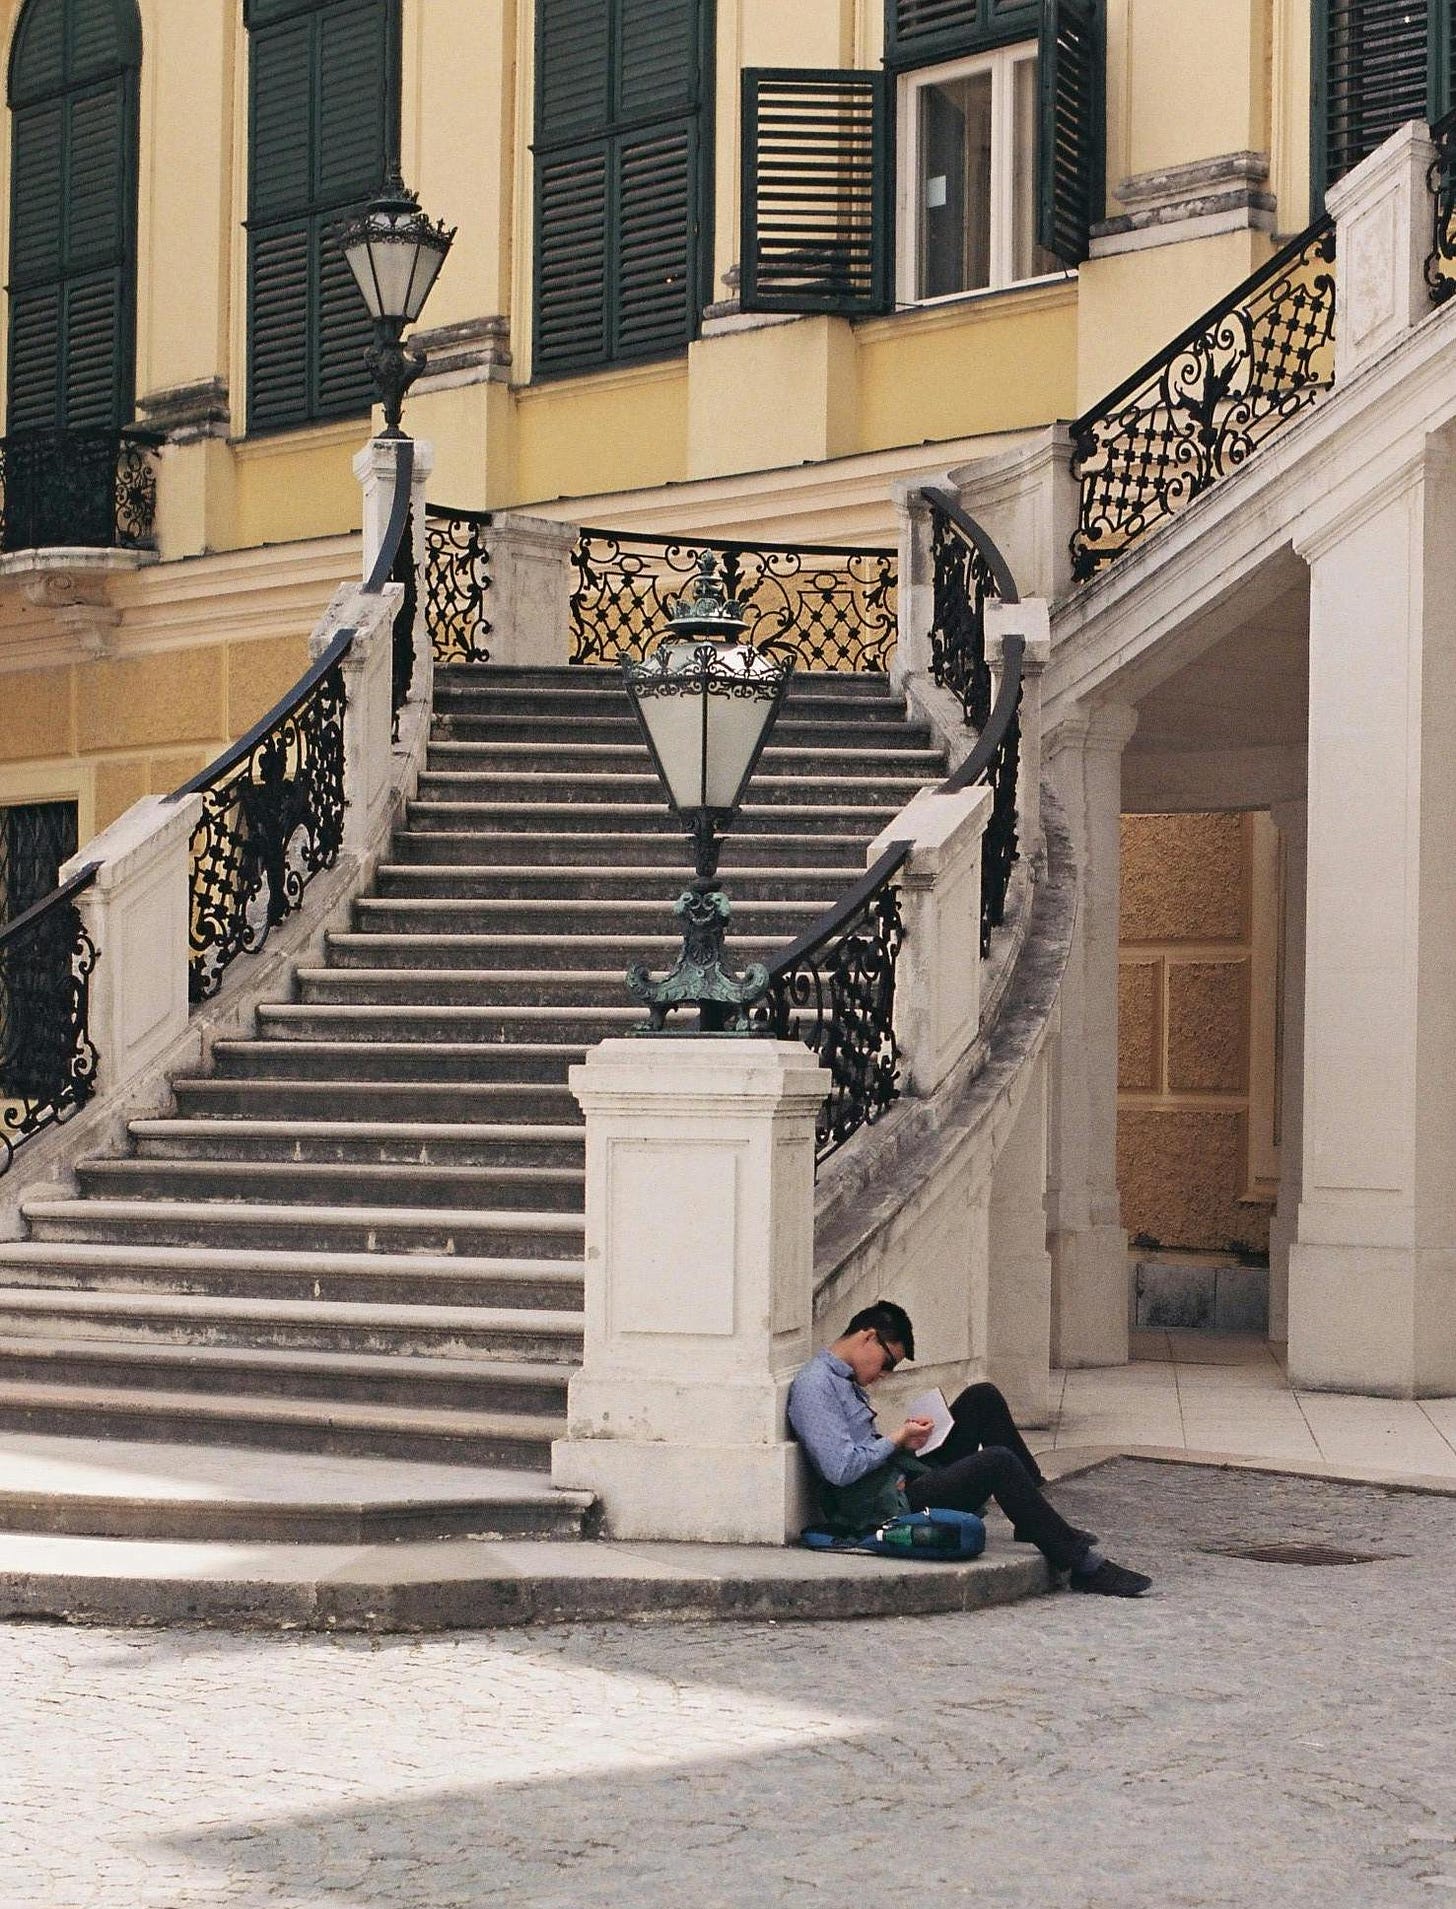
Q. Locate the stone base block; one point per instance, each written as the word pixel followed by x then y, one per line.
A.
pixel 1089 1296
pixel 1376 1319
pixel 714 1494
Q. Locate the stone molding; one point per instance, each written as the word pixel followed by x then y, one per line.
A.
pixel 1226 193
pixel 188 412
pixel 471 351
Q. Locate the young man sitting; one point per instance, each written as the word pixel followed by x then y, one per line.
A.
pixel 866 1477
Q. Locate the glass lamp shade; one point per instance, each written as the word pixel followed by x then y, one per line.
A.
pixel 395 254
pixel 707 709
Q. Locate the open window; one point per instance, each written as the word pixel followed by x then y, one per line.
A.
pixel 934 177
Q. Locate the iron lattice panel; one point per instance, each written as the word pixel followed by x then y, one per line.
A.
pixel 1203 407
pixel 47 1059
pixel 829 609
pixel 457 577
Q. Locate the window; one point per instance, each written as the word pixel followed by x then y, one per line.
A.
pixel 1000 162
pixel 1377 63
pixel 622 177
pixel 73 120
pixel 323 114
pixel 968 219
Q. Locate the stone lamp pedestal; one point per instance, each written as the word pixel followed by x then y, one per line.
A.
pixel 699 1285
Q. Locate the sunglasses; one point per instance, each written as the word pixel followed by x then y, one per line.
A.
pixel 892 1358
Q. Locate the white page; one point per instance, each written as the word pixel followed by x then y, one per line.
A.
pixel 932 1405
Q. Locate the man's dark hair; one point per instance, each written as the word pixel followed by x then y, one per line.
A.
pixel 888 1320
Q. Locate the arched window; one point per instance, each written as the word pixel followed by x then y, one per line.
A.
pixel 323 116
pixel 73 115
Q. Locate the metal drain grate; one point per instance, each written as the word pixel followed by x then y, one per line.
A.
pixel 1310 1554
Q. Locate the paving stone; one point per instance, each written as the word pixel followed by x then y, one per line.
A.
pixel 1249 1734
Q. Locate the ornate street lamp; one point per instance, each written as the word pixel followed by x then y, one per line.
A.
pixel 395 252
pixel 706 701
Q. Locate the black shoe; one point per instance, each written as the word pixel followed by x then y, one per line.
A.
pixel 1084 1538
pixel 1110 1580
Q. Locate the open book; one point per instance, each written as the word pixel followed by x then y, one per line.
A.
pixel 932 1405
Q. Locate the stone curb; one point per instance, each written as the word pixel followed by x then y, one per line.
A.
pixel 449 1586
pixel 1071 1461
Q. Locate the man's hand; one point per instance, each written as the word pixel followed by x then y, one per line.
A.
pixel 912 1434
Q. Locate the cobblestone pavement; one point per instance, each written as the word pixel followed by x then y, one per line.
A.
pixel 1251 1734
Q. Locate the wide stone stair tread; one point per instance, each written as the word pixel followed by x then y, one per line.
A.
pixel 239 1097
pixel 400 1142
pixel 139 1266
pixel 201 1309
pixel 341 1183
pixel 377 1060
pixel 485 987
pixel 651 818
pixel 574 759
pixel 564 849
pixel 579 883
pixel 414 948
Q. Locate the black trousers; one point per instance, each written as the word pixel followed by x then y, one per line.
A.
pixel 986 1457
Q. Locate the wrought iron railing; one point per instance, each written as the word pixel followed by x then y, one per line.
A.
pixel 457 577
pixel 1207 401
pixel 394 562
pixel 967 569
pixel 47 1060
pixel 272 818
pixel 996 760
pixel 88 489
pixel 834 988
pixel 1441 178
pixel 831 609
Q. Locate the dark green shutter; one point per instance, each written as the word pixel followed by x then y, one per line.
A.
pixel 1071 87
pixel 921 32
pixel 818 187
pixel 621 180
pixel 73 94
pixel 1377 63
pixel 323 115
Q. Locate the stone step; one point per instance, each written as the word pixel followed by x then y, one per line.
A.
pixel 539 1063
pixel 853 812
pixel 396 915
pixel 159 1495
pixel 352 1100
pixel 563 849
pixel 299 1325
pixel 363 1277
pixel 461 720
pixel 495 1188
pixel 402 1023
pixel 834 793
pixel 409 1143
pixel 474 1232
pixel 475 987
pixel 555 953
pixel 819 888
pixel 569 758
pixel 344 1426
pixel 499 1387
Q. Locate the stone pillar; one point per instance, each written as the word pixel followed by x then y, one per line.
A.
pixel 915 590
pixel 1372 1274
pixel 1030 619
pixel 1088 1245
pixel 137 912
pixel 1291 821
pixel 529 604
pixel 1019 1299
pixel 699 1285
pixel 938 979
pixel 1383 225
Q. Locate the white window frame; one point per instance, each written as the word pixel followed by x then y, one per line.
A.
pixel 1001 63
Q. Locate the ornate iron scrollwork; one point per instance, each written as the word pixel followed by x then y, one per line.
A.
pixel 272 818
pixel 1205 404
pixel 457 577
pixel 999 847
pixel 1441 178
pixel 830 609
pixel 92 489
pixel 48 1061
pixel 966 569
pixel 834 989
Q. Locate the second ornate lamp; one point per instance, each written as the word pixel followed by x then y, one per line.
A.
pixel 706 701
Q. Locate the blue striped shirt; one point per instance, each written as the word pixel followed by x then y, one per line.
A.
pixel 835 1423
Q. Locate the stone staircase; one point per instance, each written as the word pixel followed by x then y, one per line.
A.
pixel 361 1233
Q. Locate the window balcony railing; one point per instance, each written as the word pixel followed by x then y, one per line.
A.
pixel 90 489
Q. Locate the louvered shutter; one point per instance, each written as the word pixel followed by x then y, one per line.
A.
pixel 920 32
pixel 354 120
pixel 1071 86
pixel 1377 63
pixel 658 60
pixel 817 191
pixel 573 66
pixel 571 258
pixel 35 358
pixel 280 269
pixel 655 293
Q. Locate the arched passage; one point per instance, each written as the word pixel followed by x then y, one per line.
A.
pixel 73 89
